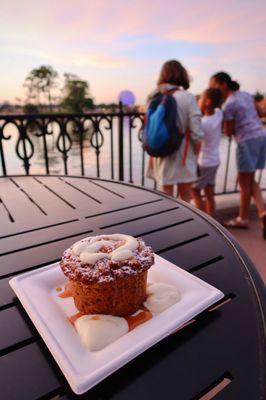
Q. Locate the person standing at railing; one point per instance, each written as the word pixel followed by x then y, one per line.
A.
pixel 209 157
pixel 241 120
pixel 179 168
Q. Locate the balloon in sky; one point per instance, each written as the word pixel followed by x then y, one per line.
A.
pixel 127 98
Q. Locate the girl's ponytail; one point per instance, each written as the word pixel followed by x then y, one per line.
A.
pixel 224 77
pixel 234 85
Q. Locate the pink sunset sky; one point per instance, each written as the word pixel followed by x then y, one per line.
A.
pixel 119 44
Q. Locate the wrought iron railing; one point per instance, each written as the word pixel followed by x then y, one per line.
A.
pixel 97 144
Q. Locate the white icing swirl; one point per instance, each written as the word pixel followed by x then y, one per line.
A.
pixel 161 296
pixel 87 249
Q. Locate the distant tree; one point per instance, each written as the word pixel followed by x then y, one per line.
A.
pixel 89 103
pixel 30 109
pixel 40 82
pixel 258 96
pixel 108 106
pixel 76 95
pixel 4 105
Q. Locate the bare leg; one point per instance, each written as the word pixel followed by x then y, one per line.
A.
pixel 210 201
pixel 199 202
pixel 245 180
pixel 257 195
pixel 168 189
pixel 185 191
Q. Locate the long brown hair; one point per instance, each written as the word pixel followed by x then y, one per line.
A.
pixel 174 73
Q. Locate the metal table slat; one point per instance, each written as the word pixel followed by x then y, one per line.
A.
pixel 26 374
pixel 47 200
pixel 54 232
pixel 69 195
pixel 7 295
pixel 18 260
pixel 93 189
pixel 20 207
pixel 13 328
pixel 129 192
pixel 184 256
pixel 152 223
pixel 167 237
pixel 130 213
pixel 61 229
pixel 21 260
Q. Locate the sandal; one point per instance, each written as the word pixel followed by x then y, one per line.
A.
pixel 263 226
pixel 239 223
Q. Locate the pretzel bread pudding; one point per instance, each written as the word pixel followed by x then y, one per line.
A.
pixel 108 273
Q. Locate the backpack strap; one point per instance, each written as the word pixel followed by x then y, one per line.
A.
pixel 187 133
pixel 187 139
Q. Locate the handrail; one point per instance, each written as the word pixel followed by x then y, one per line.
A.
pixel 50 138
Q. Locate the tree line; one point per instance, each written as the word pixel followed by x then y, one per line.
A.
pixel 46 90
pixel 43 85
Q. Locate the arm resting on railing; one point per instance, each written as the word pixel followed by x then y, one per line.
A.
pixel 229 127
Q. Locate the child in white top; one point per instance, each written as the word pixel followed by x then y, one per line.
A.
pixel 209 158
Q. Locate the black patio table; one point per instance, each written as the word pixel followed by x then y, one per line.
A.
pixel 220 353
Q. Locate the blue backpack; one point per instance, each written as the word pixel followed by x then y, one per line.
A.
pixel 161 135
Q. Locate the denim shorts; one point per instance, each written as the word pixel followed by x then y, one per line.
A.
pixel 206 177
pixel 251 154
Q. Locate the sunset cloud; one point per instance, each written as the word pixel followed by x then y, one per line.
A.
pixel 120 44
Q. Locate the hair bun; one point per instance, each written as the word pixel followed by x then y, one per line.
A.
pixel 234 85
pixel 225 77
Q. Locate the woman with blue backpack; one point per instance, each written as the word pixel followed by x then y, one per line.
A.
pixel 172 134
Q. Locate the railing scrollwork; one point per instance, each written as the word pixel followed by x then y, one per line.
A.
pixel 93 138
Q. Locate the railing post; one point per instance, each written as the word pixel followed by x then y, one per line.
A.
pixel 2 158
pixel 46 158
pixel 121 142
pixel 227 163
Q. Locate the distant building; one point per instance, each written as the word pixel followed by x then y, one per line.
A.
pixel 17 109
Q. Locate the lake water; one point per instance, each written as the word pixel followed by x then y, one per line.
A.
pixel 15 165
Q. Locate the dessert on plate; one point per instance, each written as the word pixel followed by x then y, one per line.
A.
pixel 108 282
pixel 108 273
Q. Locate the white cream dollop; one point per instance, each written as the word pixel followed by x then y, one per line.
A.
pixel 98 331
pixel 87 249
pixel 161 296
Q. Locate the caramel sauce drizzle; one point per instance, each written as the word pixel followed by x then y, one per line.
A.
pixel 67 292
pixel 72 319
pixel 136 320
pixel 95 318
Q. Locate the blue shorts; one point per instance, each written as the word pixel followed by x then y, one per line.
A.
pixel 251 154
pixel 206 177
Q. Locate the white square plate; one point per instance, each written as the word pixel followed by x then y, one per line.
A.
pixel 83 369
